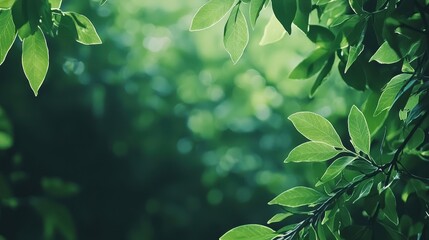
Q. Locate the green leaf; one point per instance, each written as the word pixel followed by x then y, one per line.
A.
pixel 254 10
pixel 35 59
pixel 55 4
pixel 364 190
pixel 86 33
pixel 417 139
pixel 249 232
pixel 279 217
pixel 6 3
pixel 316 128
pixel 311 65
pixel 335 169
pixel 312 152
pixel 390 91
pixel 58 188
pixel 323 75
pixel 102 2
pixel 385 55
pixel 285 11
pixel 273 32
pixel 359 131
pixel 390 206
pixel 357 5
pixel 354 53
pixel 302 14
pixel 210 14
pixel 368 109
pixel 321 36
pixel 7 33
pixel 236 34
pixel 297 197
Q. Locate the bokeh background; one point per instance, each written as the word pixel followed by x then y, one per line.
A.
pixel 154 134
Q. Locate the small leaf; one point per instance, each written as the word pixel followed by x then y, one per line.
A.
pixel 357 6
pixel 297 197
pixel 385 55
pixel 285 11
pixel 210 14
pixel 236 34
pixel 323 74
pixel 7 33
pixel 390 206
pixel 273 32
pixel 312 152
pixel 311 65
pixel 365 190
pixel 390 91
pixel 279 217
pixel 102 2
pixel 368 109
pixel 55 4
pixel 5 4
pixel 254 10
pixel 316 128
pixel 249 232
pixel 359 131
pixel 417 139
pixel 35 59
pixel 335 169
pixel 321 36
pixel 86 33
pixel 354 53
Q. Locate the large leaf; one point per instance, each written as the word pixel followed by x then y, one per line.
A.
pixel 390 91
pixel 7 33
pixel 86 33
pixel 385 55
pixel 311 65
pixel 302 14
pixel 335 169
pixel 321 36
pixel 210 14
pixel 254 10
pixel 35 59
pixel 316 128
pixel 358 130
pixel 249 232
pixel 285 11
pixel 297 197
pixel 312 152
pixel 273 32
pixel 236 34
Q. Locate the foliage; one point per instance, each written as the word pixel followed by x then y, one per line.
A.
pixel 31 21
pixel 381 47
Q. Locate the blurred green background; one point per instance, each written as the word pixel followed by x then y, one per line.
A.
pixel 162 135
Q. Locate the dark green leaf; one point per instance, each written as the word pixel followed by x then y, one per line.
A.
pixel 321 36
pixel 285 11
pixel 364 190
pixel 312 152
pixel 35 59
pixel 58 188
pixel 316 128
pixel 368 109
pixel 323 75
pixel 7 33
pixel 249 232
pixel 297 197
pixel 354 52
pixel 210 14
pixel 302 14
pixel 236 34
pixel 311 65
pixel 390 206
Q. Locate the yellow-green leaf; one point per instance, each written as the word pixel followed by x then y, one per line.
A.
pixel 312 152
pixel 297 197
pixel 236 34
pixel 7 33
pixel 358 130
pixel 210 14
pixel 249 232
